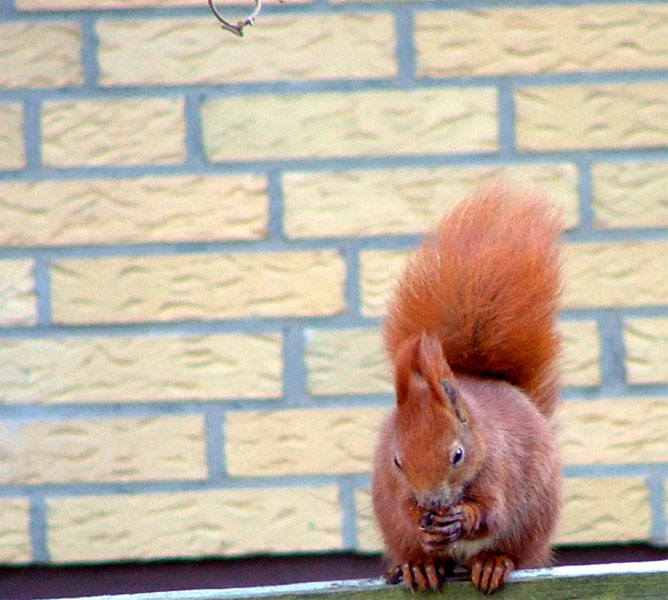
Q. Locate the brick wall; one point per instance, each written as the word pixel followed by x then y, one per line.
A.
pixel 198 234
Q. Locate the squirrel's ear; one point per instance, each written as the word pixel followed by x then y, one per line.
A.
pixel 439 376
pixel 422 356
pixel 437 373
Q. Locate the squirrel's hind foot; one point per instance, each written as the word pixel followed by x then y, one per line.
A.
pixel 426 576
pixel 490 571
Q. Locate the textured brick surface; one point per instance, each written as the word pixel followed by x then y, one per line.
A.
pixel 616 274
pixel 353 361
pixel 368 533
pixel 630 195
pixel 144 369
pixel 646 342
pixel 629 115
pixel 137 449
pixel 619 431
pixel 581 353
pixel 595 511
pixel 665 499
pixel 489 42
pixel 113 132
pixel 40 55
pixel 15 546
pixel 146 209
pixel 167 51
pixel 379 272
pixel 199 234
pixel 301 441
pixel 211 523
pixel 604 510
pixel 368 123
pixel 29 5
pixel 360 203
pixel 346 361
pixel 596 274
pixel 18 301
pixel 198 287
pixel 12 154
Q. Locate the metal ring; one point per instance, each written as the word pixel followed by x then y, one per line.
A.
pixel 237 28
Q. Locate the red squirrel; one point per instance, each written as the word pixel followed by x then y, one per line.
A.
pixel 467 469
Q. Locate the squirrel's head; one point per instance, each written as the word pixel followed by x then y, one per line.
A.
pixel 436 450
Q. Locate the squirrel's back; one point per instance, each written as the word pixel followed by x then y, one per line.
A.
pixel 486 283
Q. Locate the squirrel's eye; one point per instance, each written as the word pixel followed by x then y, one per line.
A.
pixel 397 462
pixel 457 456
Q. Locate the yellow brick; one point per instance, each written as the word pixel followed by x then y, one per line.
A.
pixel 195 524
pixel 12 154
pixel 604 511
pixel 138 449
pixel 140 369
pixel 596 274
pixel 372 123
pixel 198 287
pixel 353 361
pixel 580 360
pixel 295 442
pixel 619 431
pixel 665 502
pixel 540 40
pixel 630 195
pixel 379 273
pixel 589 516
pixel 40 55
pixel 405 200
pixel 368 533
pixel 629 115
pixel 18 301
pixel 646 342
pixel 113 132
pixel 35 5
pixel 346 361
pixel 15 546
pixel 595 511
pixel 169 52
pixel 616 274
pixel 148 209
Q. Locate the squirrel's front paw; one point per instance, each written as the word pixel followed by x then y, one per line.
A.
pixel 439 530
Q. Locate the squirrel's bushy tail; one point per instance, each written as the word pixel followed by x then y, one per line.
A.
pixel 486 282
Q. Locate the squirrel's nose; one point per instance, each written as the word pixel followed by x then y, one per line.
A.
pixel 434 500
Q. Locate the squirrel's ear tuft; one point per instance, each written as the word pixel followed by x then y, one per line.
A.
pixel 405 364
pixel 453 396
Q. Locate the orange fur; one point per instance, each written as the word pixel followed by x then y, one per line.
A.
pixel 467 469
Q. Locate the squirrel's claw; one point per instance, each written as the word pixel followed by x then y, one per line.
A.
pixel 393 576
pixel 490 571
pixel 422 576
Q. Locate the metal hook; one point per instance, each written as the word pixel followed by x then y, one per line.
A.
pixel 238 28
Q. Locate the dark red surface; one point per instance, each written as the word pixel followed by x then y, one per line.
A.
pixel 61 582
